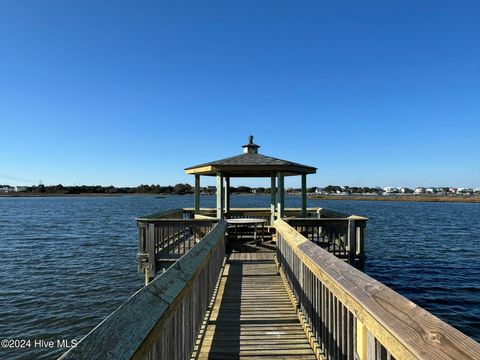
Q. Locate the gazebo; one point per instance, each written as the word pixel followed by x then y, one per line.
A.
pixel 251 164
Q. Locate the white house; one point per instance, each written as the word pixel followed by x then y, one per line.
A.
pixel 390 190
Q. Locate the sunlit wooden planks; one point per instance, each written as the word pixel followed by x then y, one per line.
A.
pixel 253 316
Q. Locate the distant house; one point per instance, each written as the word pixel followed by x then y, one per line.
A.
pixel 7 189
pixel 430 191
pixel 390 190
pixel 406 190
pixel 20 188
pixel 419 190
pixel 464 191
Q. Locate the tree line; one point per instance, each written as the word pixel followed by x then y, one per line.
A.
pixel 178 189
pixel 181 189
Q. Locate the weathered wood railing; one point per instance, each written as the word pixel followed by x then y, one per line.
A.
pixel 330 214
pixel 171 214
pixel 349 315
pixel 257 213
pixel 165 237
pixel 264 213
pixel 342 237
pixel 163 319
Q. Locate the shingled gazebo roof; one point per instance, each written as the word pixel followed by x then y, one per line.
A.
pixel 250 164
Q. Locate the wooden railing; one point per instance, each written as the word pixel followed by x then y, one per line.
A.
pixel 342 237
pixel 163 319
pixel 163 238
pixel 330 214
pixel 257 213
pixel 349 315
pixel 170 214
pixel 264 213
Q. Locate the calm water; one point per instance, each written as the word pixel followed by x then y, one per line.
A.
pixel 66 263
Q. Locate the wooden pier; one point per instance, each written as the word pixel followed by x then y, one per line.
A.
pixel 253 316
pixel 299 294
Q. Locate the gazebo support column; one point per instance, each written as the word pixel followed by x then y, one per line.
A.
pixel 281 196
pixel 197 194
pixel 227 194
pixel 273 198
pixel 220 196
pixel 304 195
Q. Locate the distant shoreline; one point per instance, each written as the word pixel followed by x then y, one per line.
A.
pixel 62 195
pixel 405 198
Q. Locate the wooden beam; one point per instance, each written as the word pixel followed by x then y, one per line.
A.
pixel 281 195
pixel 204 169
pixel 220 213
pixel 273 188
pixel 197 194
pixel 304 195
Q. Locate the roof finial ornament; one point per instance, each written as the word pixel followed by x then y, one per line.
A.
pixel 250 148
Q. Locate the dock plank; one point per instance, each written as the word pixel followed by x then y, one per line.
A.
pixel 253 316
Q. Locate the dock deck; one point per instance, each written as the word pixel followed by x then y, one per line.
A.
pixel 253 316
pixel 302 296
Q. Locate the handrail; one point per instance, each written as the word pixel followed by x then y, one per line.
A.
pixel 253 209
pixel 164 240
pixel 163 319
pixel 342 237
pixel 204 217
pixel 331 214
pixel 168 214
pixel 200 221
pixel 352 315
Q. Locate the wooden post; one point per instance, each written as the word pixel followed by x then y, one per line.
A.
pixel 351 242
pixel 220 213
pixel 227 194
pixel 273 188
pixel 281 195
pixel 147 277
pixel 197 194
pixel 361 245
pixel 304 195
pixel 150 271
pixel 361 340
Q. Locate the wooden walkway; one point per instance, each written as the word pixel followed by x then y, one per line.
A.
pixel 253 317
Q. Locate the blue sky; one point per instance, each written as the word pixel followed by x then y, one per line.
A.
pixel 372 93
